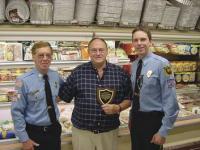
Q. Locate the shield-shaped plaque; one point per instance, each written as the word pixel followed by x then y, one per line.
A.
pixel 105 95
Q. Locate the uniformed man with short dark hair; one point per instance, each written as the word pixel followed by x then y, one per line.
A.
pixel 154 108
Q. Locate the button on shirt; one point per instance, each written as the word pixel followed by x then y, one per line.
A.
pixel 30 105
pixel 158 91
pixel 81 85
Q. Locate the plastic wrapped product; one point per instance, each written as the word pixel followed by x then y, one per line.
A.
pixel 194 49
pixel 131 13
pixel 17 11
pixel 188 18
pixel 2 10
pixel 7 134
pixel 109 12
pixel 169 17
pixel 192 77
pixel 189 14
pixel 41 12
pixel 153 13
pixel 13 52
pixel 63 11
pixel 85 11
pixel 178 78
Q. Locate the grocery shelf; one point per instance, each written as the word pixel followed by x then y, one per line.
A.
pixel 68 63
pixel 85 33
pixel 5 105
pixel 7 83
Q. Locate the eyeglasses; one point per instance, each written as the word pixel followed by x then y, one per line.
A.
pixel 95 50
pixel 42 56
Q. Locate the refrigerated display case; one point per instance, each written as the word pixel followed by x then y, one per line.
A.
pixel 187 128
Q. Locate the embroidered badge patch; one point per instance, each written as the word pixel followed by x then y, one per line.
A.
pixel 171 83
pixel 18 83
pixel 168 70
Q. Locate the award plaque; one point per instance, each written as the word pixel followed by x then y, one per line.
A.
pixel 105 95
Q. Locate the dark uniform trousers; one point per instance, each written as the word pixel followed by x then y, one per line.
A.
pixel 48 137
pixel 144 126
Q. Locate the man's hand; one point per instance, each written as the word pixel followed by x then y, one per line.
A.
pixel 158 139
pixel 29 145
pixel 110 108
pixel 58 99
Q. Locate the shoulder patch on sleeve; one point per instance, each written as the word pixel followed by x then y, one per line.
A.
pixel 18 83
pixel 168 70
pixel 171 83
pixel 13 96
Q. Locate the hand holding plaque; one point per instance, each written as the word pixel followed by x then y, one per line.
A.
pixel 105 95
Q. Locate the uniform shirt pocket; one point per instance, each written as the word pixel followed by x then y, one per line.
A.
pixel 35 95
pixel 151 81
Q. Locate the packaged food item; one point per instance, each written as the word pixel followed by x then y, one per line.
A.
pixel 194 49
pixel 12 95
pixel 186 77
pixel 173 65
pixel 13 52
pixel 178 78
pixel 193 66
pixel 186 65
pixel 3 97
pixel 41 12
pixel 192 77
pixel 9 53
pixel 2 10
pixel 5 75
pixel 7 134
pixel 2 49
pixel 179 66
pixel 173 49
pixel 84 52
pixel 17 11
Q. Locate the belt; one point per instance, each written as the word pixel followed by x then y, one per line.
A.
pixel 96 131
pixel 41 128
pixel 148 114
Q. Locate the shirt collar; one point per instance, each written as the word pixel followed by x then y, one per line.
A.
pixel 105 68
pixel 40 75
pixel 146 58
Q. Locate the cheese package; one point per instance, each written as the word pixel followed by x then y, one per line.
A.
pixel 13 52
pixel 178 78
pixel 186 77
pixel 194 49
pixel 2 49
pixel 2 10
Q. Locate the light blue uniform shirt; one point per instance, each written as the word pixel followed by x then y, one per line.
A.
pixel 30 103
pixel 158 91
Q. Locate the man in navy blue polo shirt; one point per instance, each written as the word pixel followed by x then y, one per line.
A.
pixel 101 90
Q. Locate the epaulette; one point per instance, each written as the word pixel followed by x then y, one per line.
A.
pixel 161 59
pixel 28 74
